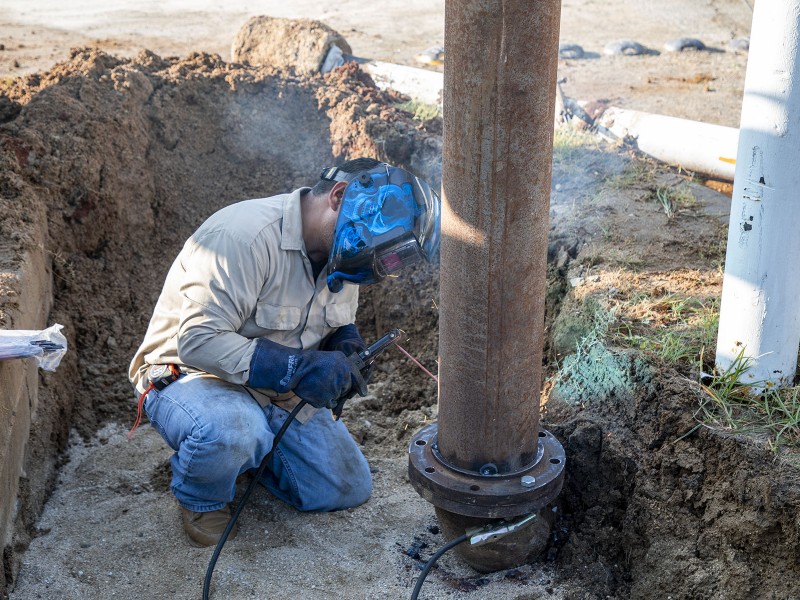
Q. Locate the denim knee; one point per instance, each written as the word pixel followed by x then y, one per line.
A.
pixel 318 466
pixel 218 432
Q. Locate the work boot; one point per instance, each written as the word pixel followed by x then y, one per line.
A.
pixel 205 528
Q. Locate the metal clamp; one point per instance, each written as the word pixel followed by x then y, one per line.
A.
pixel 495 531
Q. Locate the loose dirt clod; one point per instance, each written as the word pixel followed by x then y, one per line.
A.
pixel 300 44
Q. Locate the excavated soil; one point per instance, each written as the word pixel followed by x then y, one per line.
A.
pixel 121 159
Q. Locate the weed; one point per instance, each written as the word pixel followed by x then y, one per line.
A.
pixel 637 174
pixel 673 199
pixel 756 409
pixel 568 142
pixel 420 111
pixel 665 199
pixel 674 328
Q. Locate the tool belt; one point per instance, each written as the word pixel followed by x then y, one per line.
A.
pixel 160 376
pixel 157 377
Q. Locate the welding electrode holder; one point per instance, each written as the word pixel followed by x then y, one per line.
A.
pixel 485 493
pixel 363 361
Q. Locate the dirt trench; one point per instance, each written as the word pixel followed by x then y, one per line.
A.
pixel 121 160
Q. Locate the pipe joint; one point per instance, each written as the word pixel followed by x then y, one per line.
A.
pixel 486 493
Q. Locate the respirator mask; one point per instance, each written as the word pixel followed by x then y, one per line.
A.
pixel 388 220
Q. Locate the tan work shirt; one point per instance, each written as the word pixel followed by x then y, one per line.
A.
pixel 242 275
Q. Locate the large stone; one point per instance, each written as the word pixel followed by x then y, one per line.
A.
pixel 301 44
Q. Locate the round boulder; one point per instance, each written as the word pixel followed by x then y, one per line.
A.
pixel 566 51
pixel 682 44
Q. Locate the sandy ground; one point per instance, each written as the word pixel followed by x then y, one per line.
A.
pixel 111 528
pixel 100 542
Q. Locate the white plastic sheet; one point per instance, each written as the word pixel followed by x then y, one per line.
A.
pixel 47 346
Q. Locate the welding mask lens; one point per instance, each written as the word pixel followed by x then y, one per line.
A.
pixel 397 256
pixel 389 219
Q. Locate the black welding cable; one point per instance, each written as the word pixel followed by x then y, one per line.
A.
pixel 212 563
pixel 432 561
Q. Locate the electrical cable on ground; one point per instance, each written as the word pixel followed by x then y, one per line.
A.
pixel 245 496
pixel 363 360
pixel 432 561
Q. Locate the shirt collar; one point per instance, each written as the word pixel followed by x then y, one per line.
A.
pixel 292 227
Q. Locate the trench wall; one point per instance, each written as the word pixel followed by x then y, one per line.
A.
pixel 19 387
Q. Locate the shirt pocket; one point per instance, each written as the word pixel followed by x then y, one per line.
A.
pixel 340 314
pixel 278 318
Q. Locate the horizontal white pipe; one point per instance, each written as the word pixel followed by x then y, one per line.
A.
pixel 692 145
pixel 422 85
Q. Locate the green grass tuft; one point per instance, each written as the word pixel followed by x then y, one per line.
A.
pixel 672 199
pixel 754 409
pixel 568 143
pixel 685 327
pixel 420 111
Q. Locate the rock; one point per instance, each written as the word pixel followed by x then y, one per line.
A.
pixel 570 51
pixel 431 56
pixel 684 43
pixel 300 44
pixel 625 47
pixel 741 44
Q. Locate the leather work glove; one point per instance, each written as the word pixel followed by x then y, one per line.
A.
pixel 318 377
pixel 348 340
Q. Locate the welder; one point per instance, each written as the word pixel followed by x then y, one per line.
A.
pixel 258 312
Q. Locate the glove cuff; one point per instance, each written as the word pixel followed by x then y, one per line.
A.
pixel 273 366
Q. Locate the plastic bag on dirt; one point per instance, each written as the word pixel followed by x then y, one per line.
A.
pixel 47 346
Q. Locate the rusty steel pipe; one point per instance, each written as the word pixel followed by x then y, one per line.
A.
pixel 499 96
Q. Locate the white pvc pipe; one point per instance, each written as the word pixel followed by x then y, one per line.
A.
pixel 760 311
pixel 421 84
pixel 700 147
pixel 693 145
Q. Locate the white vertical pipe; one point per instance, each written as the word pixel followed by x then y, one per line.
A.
pixel 760 309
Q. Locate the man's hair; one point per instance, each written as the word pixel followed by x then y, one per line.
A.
pixel 323 186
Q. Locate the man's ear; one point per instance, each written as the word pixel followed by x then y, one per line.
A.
pixel 335 195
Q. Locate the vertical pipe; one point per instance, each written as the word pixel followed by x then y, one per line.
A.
pixel 759 314
pixel 499 97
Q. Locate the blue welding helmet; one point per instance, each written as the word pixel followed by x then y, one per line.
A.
pixel 388 220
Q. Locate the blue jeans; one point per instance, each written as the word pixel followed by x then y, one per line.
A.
pixel 218 431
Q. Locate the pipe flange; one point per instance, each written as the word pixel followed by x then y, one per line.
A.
pixel 485 495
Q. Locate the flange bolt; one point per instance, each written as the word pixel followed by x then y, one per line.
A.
pixel 528 481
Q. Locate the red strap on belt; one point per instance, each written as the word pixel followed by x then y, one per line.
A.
pixel 140 409
pixel 160 376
